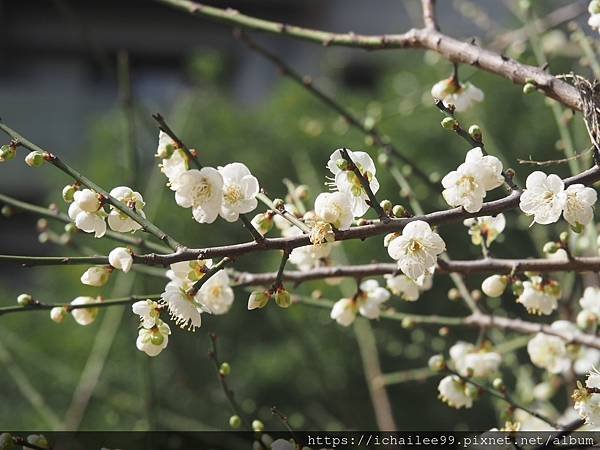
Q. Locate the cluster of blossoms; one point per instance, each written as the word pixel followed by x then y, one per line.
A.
pixel 468 361
pixel 226 191
pixel 545 198
pixel 594 10
pixel 451 92
pixel 87 211
pixel 587 399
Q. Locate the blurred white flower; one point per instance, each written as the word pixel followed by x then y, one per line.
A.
pixel 240 189
pixel 591 300
pixel 216 295
pixel 452 391
pixel 403 287
pixel 334 208
pixel 548 352
pixel 578 207
pixel 347 181
pixel 539 297
pixel 477 362
pixel 200 190
pixel 310 256
pixel 58 314
pixel 367 302
pixel 87 213
pixel 486 228
pixel 344 311
pixel 467 185
pixel 96 276
pixel 544 197
pixel 154 340
pixel 173 160
pixel 84 316
pixel 461 95
pixel 416 249
pixel 121 258
pixel 119 221
pixel 587 404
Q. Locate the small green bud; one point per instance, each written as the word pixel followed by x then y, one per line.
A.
pixel 225 369
pixel 399 211
pixel 258 426
pixel 563 237
pixel 278 203
pixel 258 299
pixel 68 193
pixel 157 338
pixel 517 288
pixel 235 422
pixel 70 228
pixel 407 323
pixel 42 224
pixel 475 132
pixel 551 247
pixel 386 205
pixel 7 211
pixel 525 5
pixel 35 159
pixel 528 88
pixel 24 299
pixel 6 442
pixel 283 298
pixel 58 314
pixel 594 7
pixel 498 384
pixel 7 152
pixel 342 164
pixel 449 123
pixel 437 363
pixel 454 294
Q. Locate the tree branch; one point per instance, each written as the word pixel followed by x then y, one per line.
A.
pixel 449 48
pixel 429 16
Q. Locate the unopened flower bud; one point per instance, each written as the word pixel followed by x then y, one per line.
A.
pixel 444 331
pixel 498 384
pixel 35 159
pixel 68 193
pixel 449 123
pixel 594 7
pixel 43 237
pixel 475 132
pixel 342 164
pixel 383 159
pixel 235 422
pixel 283 298
pixel 24 299
pixel 476 295
pixel 225 369
pixel 7 152
pixel 551 247
pixel 263 222
pixel 386 205
pixel 437 363
pixel 258 299
pixel 454 294
pixel 495 285
pixel 407 323
pixel 258 426
pixel 6 442
pixel 278 203
pixel 399 211
pixel 563 237
pixel 70 228
pixel 528 88
pixel 42 224
pixel 7 211
pixel 58 314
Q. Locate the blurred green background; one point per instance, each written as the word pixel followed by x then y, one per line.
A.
pixel 93 378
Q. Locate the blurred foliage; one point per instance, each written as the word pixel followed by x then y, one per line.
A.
pixel 297 359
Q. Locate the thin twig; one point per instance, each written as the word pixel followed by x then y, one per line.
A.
pixel 550 162
pixel 191 155
pixel 209 273
pixel 286 424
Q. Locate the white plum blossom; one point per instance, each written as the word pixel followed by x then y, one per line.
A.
pixel 578 207
pixel 216 295
pixel 591 300
pixel 548 352
pixel 58 314
pixel 309 256
pixel 583 358
pixel 187 273
pixel 416 249
pixel 468 184
pixel 477 362
pixel 485 228
pixel 121 258
pixel 149 313
pixel 174 161
pixel 452 92
pixel 240 189
pixel 453 391
pixel 153 340
pixel 367 302
pixel 84 316
pixel 594 19
pixel 184 308
pixel 406 288
pixel 347 181
pixel 119 221
pixel 539 297
pixel 587 404
pixel 544 197
pixel 201 190
pixel 96 276
pixel 87 213
pixel 334 208
pixel 494 285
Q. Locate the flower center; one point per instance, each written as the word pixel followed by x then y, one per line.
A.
pixel 548 196
pixel 202 192
pixel 415 246
pixel 467 184
pixel 233 194
pixel 216 291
